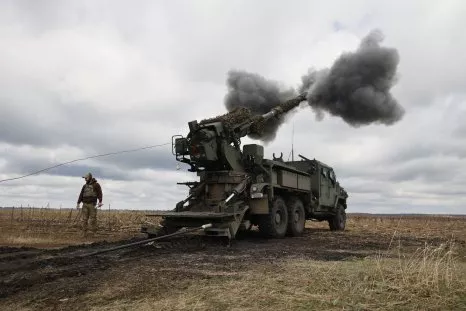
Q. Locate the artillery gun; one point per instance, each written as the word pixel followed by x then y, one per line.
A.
pixel 239 188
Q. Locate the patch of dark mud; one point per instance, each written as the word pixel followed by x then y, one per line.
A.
pixel 22 269
pixel 40 272
pixel 18 255
pixel 81 248
pixel 62 293
pixel 47 266
pixel 10 249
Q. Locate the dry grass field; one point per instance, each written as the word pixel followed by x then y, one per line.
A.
pixel 52 228
pixel 378 263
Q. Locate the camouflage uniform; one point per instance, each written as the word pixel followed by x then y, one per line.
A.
pixel 91 192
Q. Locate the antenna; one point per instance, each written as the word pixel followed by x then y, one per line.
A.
pixel 292 144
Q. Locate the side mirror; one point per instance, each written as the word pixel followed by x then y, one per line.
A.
pixel 181 146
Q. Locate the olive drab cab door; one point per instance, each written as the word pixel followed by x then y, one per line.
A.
pixel 332 189
pixel 325 184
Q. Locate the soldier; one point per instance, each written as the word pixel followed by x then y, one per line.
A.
pixel 91 192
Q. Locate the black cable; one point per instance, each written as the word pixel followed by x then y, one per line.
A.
pixel 91 157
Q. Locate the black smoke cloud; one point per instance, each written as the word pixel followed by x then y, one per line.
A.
pixel 260 95
pixel 357 86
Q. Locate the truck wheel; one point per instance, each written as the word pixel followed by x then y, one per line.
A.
pixel 296 217
pixel 338 222
pixel 274 224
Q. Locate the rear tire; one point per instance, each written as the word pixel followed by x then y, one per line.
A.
pixel 296 217
pixel 338 221
pixel 275 223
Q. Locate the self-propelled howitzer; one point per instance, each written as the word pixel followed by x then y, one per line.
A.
pixel 239 188
pixel 215 144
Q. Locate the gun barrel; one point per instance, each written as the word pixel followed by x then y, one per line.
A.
pixel 285 107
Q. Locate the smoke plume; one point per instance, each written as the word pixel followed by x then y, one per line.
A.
pixel 357 86
pixel 260 95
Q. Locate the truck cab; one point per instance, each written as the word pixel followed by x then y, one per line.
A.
pixel 328 200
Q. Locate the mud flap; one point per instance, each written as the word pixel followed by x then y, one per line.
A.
pixel 235 225
pixel 228 229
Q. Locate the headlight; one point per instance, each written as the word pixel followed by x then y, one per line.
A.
pixel 254 188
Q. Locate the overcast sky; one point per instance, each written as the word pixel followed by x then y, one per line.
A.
pixel 79 78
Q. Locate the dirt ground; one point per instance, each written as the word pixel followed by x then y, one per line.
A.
pixel 192 273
